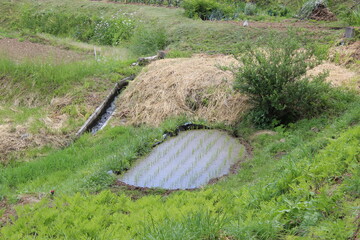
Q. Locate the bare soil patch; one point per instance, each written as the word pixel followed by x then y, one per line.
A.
pixel 19 51
pixel 322 13
pixel 195 87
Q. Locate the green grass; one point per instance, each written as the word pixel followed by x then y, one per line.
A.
pixel 300 184
pixel 74 168
pixel 48 80
pixel 306 193
pixel 18 115
pixel 182 33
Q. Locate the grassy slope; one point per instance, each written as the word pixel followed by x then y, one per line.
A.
pixel 310 192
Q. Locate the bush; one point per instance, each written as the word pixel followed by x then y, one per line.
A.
pixel 274 80
pixel 278 10
pixel 353 17
pixel 207 9
pixel 250 9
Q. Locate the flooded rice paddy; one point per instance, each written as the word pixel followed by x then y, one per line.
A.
pixel 189 160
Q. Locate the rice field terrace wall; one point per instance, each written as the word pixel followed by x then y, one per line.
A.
pixel 187 161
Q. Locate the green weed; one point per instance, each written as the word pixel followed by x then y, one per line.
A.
pixel 146 41
pixel 298 195
pixel 44 81
pixel 98 29
pixel 87 168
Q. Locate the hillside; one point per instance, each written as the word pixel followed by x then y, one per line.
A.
pixel 280 95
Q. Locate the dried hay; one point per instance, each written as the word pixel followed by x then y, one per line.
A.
pixel 17 138
pixel 338 75
pixel 196 87
pixel 347 54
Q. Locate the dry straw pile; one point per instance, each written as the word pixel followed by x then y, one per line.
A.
pixel 196 87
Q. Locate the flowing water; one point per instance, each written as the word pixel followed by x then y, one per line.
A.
pixel 104 118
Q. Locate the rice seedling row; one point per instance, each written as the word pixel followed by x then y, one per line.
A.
pixel 153 178
pixel 189 160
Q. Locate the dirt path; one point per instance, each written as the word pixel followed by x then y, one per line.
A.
pixel 18 51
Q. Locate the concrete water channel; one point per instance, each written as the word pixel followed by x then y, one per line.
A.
pixel 103 113
pixel 189 160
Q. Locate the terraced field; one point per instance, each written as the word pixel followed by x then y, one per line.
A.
pixel 189 160
pixel 295 173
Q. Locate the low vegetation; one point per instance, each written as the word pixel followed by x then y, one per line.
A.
pixel 312 191
pixel 104 30
pixel 301 182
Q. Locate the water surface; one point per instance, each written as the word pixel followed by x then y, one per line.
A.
pixel 186 161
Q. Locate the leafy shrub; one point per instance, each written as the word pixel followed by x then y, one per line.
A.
pixel 207 9
pixel 112 32
pixel 353 17
pixel 274 80
pixel 148 40
pixel 278 10
pixel 250 9
pixel 199 8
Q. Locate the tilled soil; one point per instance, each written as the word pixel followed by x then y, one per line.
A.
pixel 19 51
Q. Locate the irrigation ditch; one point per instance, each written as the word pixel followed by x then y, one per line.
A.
pixel 102 114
